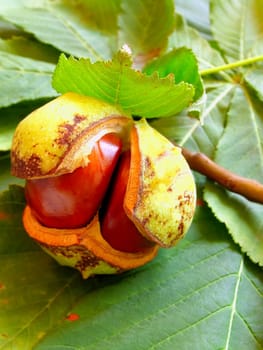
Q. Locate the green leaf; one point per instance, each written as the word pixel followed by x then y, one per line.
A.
pixel 257 49
pixel 203 293
pixel 49 305
pixel 182 64
pixel 195 134
pixel 5 178
pixel 146 24
pixel 24 47
pixel 185 36
pixel 117 83
pixel 61 25
pixel 204 136
pixel 24 79
pixel 254 79
pixel 165 306
pixel 242 218
pixel 242 140
pixel 35 292
pixel 196 14
pixel 237 26
pixel 175 128
pixel 7 30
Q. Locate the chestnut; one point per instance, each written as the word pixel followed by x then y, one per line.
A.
pixel 103 191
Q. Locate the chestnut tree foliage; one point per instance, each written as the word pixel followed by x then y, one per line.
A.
pixel 195 70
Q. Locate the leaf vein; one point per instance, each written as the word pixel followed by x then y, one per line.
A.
pixel 183 329
pixel 75 33
pixel 209 108
pixel 234 304
pixel 249 328
pixel 166 308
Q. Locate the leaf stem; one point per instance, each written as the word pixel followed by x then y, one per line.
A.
pixel 248 188
pixel 232 65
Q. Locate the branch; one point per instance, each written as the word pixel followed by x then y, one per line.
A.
pixel 248 188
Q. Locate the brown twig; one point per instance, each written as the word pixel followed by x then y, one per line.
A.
pixel 248 188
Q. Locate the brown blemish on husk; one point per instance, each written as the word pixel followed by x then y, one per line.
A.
pixel 26 168
pixel 57 138
pixel 160 196
pixel 66 130
pixel 86 244
pixel 87 259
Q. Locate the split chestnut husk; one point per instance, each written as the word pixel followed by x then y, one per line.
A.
pixel 103 191
pixel 84 248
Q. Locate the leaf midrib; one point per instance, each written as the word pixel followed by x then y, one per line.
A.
pixel 234 303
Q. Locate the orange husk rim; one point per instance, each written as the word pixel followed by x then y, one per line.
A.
pixel 134 181
pixel 89 237
pixel 76 153
pixel 134 187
